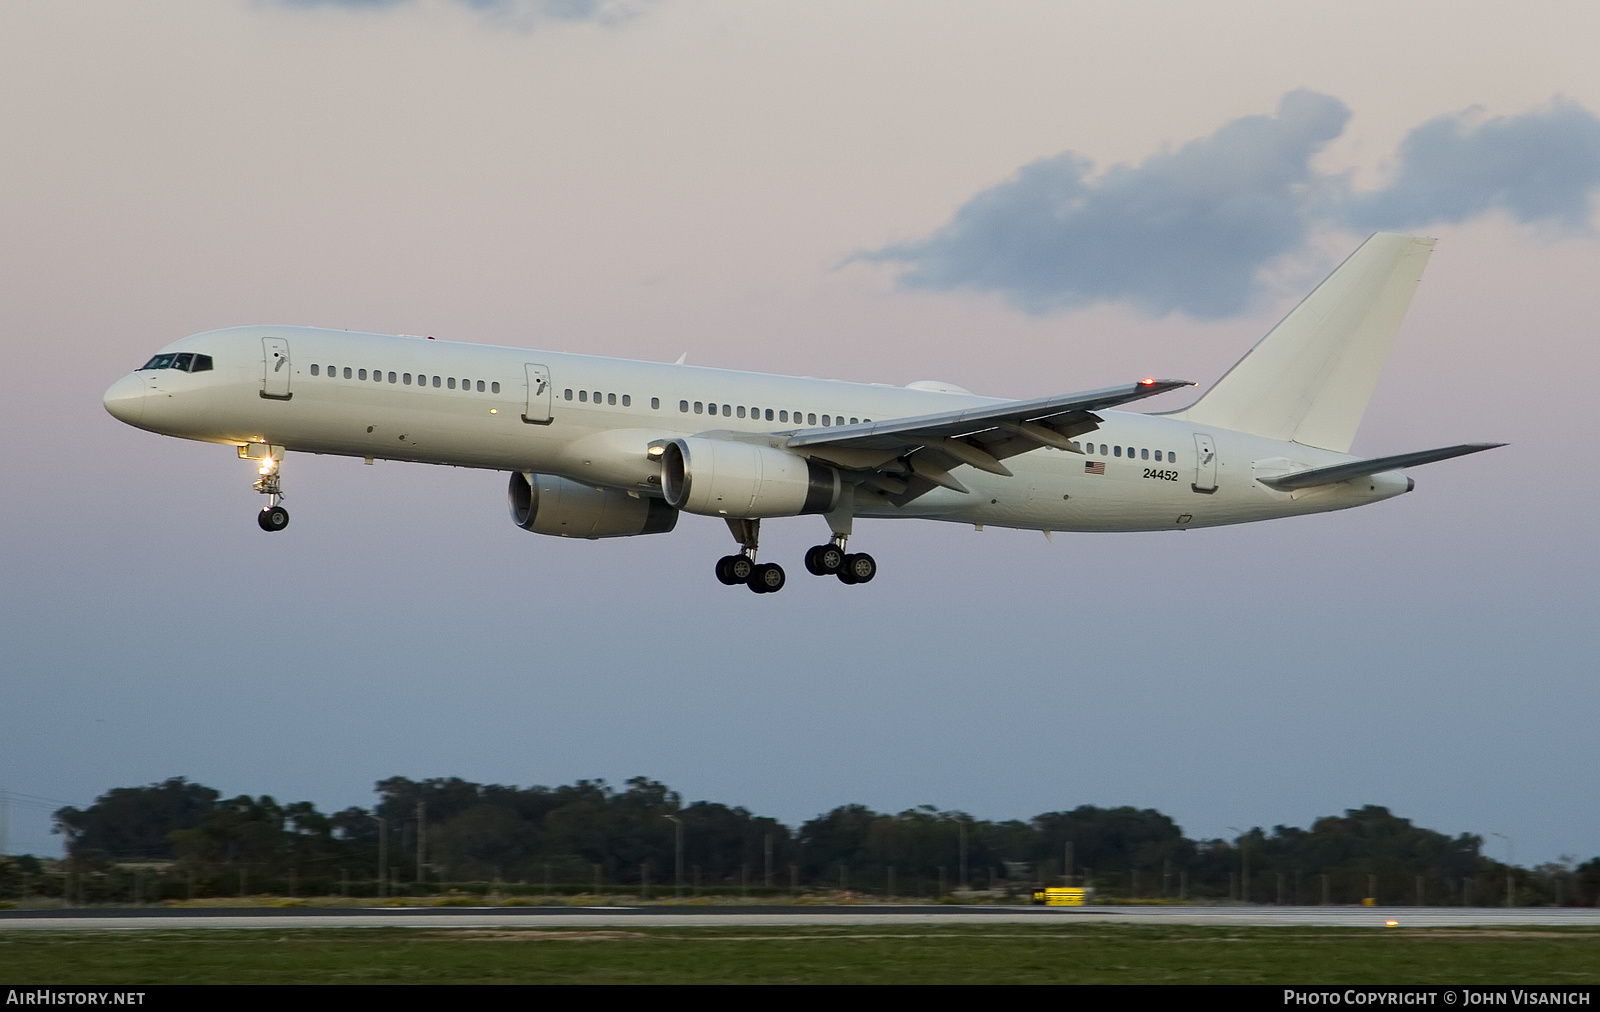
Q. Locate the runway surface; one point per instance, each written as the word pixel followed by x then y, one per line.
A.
pixel 279 918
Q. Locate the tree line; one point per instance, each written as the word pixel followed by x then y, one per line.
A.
pixel 177 838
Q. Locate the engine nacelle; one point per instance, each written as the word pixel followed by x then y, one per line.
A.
pixel 545 504
pixel 724 478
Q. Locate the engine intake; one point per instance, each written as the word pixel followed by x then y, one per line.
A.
pixel 721 477
pixel 546 504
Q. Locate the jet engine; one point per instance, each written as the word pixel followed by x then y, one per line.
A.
pixel 721 477
pixel 545 504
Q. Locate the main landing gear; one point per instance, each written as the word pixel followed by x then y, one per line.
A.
pixel 768 577
pixel 761 577
pixel 273 517
pixel 832 560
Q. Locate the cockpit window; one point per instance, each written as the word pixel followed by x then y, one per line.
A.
pixel 188 361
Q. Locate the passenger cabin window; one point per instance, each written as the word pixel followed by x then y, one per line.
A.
pixel 313 369
pixel 480 386
pixel 699 406
pixel 494 387
pixel 405 378
pixel 741 411
pixel 583 395
pixel 769 414
pixel 1144 454
pixel 567 394
pixel 655 404
pixel 627 401
pixel 436 381
pixel 611 398
pixel 683 406
pixel 393 378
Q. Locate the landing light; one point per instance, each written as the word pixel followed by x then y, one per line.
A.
pixel 1391 924
pixel 494 411
pixel 1148 381
pixel 656 451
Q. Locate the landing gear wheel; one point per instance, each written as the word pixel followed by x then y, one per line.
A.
pixel 273 518
pixel 767 578
pixel 858 569
pixel 824 560
pixel 734 569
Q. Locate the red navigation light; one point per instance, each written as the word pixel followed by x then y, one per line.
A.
pixel 1148 381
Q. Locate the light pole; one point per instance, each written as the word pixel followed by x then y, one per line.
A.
pixel 961 823
pixel 677 833
pixel 1511 861
pixel 1244 866
pixel 383 853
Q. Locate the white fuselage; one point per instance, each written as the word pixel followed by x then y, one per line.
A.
pixel 598 417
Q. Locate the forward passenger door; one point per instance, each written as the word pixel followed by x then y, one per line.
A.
pixel 275 362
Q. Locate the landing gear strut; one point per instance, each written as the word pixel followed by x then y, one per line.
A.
pixel 273 517
pixel 761 577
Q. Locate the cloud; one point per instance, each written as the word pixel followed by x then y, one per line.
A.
pixel 1194 230
pixel 1542 166
pixel 520 13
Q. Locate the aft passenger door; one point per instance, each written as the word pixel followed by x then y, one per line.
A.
pixel 537 411
pixel 1205 464
pixel 275 362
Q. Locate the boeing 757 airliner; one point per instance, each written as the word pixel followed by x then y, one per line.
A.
pixel 603 448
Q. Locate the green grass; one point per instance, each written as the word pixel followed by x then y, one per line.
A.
pixel 1021 954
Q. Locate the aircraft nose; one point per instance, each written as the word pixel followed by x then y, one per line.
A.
pixel 125 399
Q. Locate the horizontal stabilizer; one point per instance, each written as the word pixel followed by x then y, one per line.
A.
pixel 1336 473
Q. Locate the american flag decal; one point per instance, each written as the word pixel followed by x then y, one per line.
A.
pixel 1094 467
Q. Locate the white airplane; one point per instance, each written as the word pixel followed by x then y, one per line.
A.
pixel 602 448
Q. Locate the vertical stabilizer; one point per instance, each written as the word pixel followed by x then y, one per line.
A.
pixel 1309 380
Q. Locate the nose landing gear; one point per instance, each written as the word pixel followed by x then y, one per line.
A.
pixel 273 517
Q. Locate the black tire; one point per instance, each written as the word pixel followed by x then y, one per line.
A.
pixel 741 568
pixel 862 568
pixel 273 518
pixel 767 578
pixel 824 560
pixel 845 574
pixel 725 570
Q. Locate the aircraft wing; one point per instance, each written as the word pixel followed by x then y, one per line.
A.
pixel 907 457
pixel 1335 473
